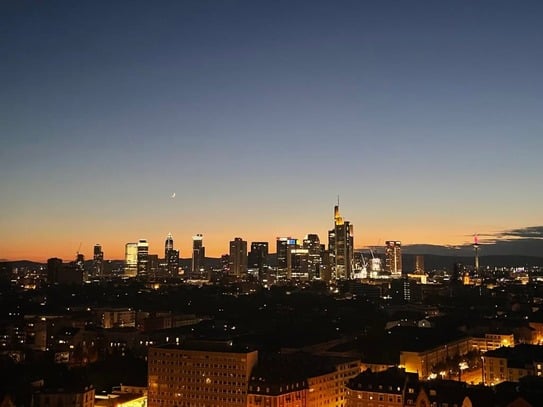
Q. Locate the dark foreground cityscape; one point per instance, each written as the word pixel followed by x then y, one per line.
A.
pixel 309 325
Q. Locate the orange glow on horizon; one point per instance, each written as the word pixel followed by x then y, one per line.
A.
pixel 215 244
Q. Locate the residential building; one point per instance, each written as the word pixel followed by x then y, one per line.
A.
pixel 200 373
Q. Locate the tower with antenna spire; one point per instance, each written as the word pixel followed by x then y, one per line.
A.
pixel 476 249
pixel 171 257
pixel 341 245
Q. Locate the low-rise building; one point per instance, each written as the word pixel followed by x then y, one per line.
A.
pixel 390 388
pixel 301 380
pixel 492 341
pixel 512 363
pixel 67 396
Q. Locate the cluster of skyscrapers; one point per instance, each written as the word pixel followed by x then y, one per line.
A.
pixel 138 261
pixel 304 259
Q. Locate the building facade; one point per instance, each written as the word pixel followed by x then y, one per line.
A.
pixel 393 258
pixel 171 257
pixel 131 260
pixel 238 257
pixel 198 255
pixel 199 374
pixel 390 388
pixel 143 257
pixel 341 246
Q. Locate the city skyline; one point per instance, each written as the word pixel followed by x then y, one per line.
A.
pixel 129 121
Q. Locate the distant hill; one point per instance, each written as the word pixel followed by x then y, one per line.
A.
pixel 506 247
pixel 21 263
pixel 435 262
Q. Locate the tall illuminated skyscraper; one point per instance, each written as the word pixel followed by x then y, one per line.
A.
pixel 238 257
pixel 143 257
pixel 258 258
pixel 198 254
pixel 298 263
pixel 313 245
pixel 341 246
pixel 131 260
pixel 283 244
pixel 98 261
pixel 168 245
pixel 171 256
pixel 393 258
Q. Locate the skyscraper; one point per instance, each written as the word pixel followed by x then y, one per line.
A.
pixel 298 263
pixel 198 255
pixel 143 257
pixel 283 243
pixel 54 268
pixel 393 258
pixel 341 245
pixel 168 245
pixel 238 257
pixel 258 258
pixel 313 245
pixel 98 261
pixel 171 257
pixel 131 260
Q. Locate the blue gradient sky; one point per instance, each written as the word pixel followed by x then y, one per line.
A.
pixel 425 116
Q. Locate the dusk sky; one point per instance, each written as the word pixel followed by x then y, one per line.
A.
pixel 426 117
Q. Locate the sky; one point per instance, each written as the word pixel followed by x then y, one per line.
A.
pixel 424 117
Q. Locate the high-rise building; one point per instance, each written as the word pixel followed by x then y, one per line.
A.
pixel 98 261
pixel 66 273
pixel 258 258
pixel 283 244
pixel 143 257
pixel 198 255
pixel 153 265
pixel 298 263
pixel 393 258
pixel 238 257
pixel 204 373
pixel 171 257
pixel 313 245
pixel 54 268
pixel 168 245
pixel 341 246
pixel 131 260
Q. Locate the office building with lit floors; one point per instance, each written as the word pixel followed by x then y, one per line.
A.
pixel 198 256
pixel 238 257
pixel 131 260
pixel 199 374
pixel 341 246
pixel 143 257
pixel 393 258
